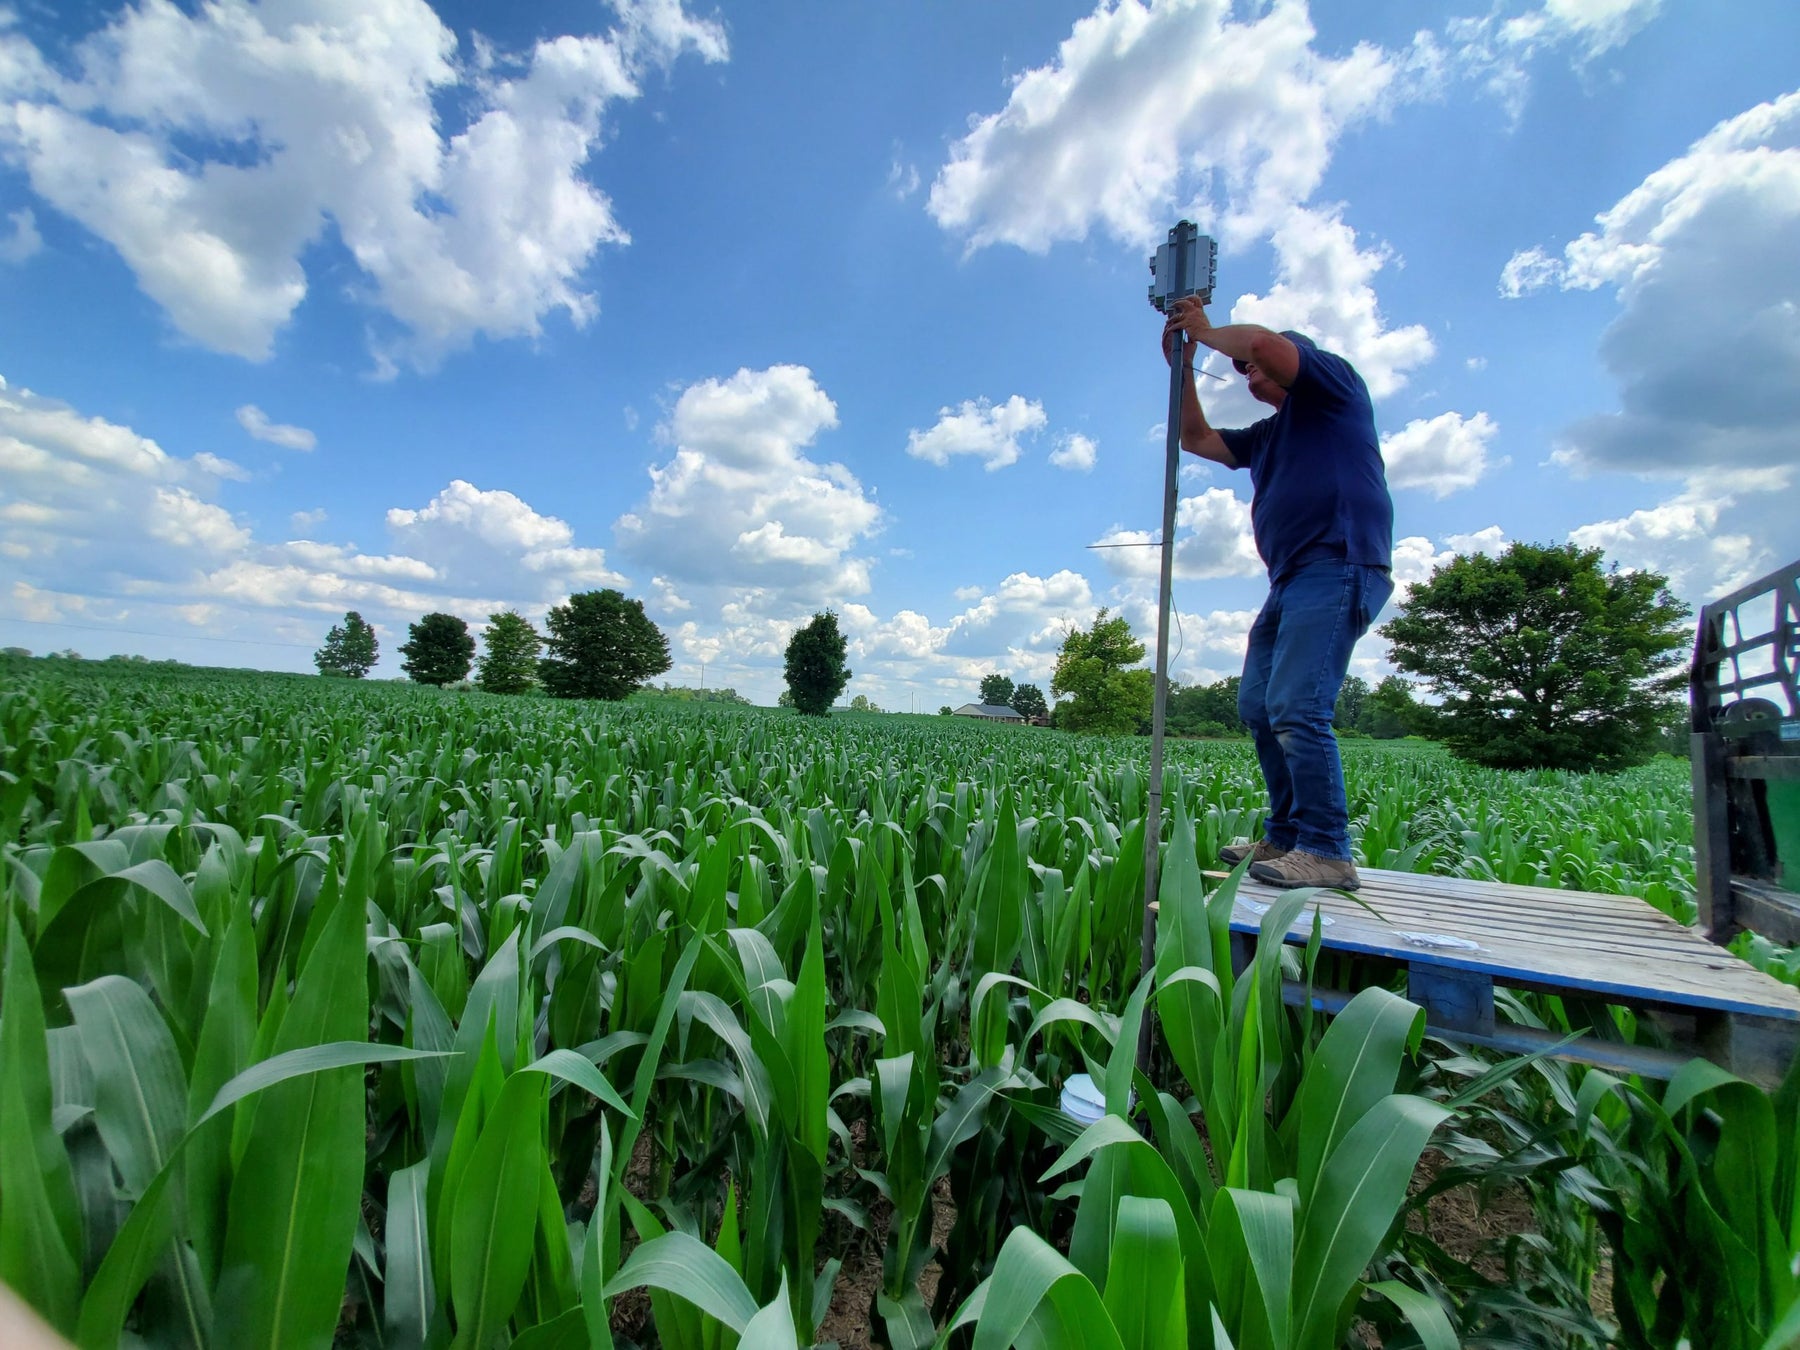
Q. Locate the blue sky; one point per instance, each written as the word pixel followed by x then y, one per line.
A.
pixel 316 305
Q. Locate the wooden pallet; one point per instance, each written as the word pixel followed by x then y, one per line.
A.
pixel 1458 939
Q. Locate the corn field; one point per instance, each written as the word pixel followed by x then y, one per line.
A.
pixel 373 1015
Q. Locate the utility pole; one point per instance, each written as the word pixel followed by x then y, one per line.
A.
pixel 1184 266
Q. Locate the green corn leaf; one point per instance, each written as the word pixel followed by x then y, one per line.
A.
pixel 73 866
pixel 1145 1293
pixel 294 1200
pixel 1356 1065
pixel 139 1100
pixel 1425 1314
pixel 1190 1005
pixel 572 1068
pixel 150 1225
pixel 772 1328
pixel 409 1294
pixel 682 1265
pixel 1123 1061
pixel 756 1090
pixel 444 1181
pixel 1183 937
pixel 805 1043
pixel 1786 1334
pixel 1000 899
pixel 596 1259
pixel 310 1059
pixel 567 1331
pixel 494 1211
pixel 427 1028
pixel 645 1081
pixel 1250 1243
pixel 962 1119
pixel 906 1320
pixel 226 1036
pixel 40 1234
pixel 1360 1189
pixel 1036 1300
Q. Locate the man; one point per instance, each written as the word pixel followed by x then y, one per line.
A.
pixel 1324 525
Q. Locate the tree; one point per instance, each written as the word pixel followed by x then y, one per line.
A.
pixel 1352 697
pixel 997 690
pixel 600 645
pixel 438 650
pixel 350 649
pixel 16 653
pixel 1028 701
pixel 945 710
pixel 861 703
pixel 1391 711
pixel 682 693
pixel 816 673
pixel 1543 658
pixel 1104 697
pixel 1205 709
pixel 509 663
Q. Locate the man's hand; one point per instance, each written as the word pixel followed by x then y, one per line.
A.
pixel 1187 313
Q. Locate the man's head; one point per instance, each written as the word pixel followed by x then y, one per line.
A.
pixel 1262 388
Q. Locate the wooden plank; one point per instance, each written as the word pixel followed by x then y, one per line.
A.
pixel 1399 911
pixel 1499 903
pixel 1674 944
pixel 1675 967
pixel 1498 896
pixel 1766 909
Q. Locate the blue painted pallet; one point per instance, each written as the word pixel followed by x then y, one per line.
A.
pixel 1458 939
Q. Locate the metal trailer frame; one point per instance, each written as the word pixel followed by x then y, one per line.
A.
pixel 1744 705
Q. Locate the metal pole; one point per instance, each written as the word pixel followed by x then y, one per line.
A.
pixel 1159 708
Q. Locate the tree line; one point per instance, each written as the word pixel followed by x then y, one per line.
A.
pixel 597 644
pixel 1540 657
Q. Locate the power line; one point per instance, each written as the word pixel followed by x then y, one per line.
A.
pixel 169 637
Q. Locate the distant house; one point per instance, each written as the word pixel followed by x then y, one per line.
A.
pixel 992 712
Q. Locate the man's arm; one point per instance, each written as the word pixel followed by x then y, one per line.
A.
pixel 1197 436
pixel 1269 351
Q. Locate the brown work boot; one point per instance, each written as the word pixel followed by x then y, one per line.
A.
pixel 1300 868
pixel 1261 851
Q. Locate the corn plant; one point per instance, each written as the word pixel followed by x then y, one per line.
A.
pixel 315 997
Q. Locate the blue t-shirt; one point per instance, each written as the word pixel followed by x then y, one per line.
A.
pixel 1315 471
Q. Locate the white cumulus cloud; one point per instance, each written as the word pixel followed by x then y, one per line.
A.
pixel 1074 452
pixel 1439 455
pixel 739 513
pixel 97 519
pixel 1498 47
pixel 1150 109
pixel 979 429
pixel 255 421
pixel 22 240
pixel 1720 532
pixel 213 147
pixel 1704 247
pixel 1212 539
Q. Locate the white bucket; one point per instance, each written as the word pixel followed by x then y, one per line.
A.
pixel 1082 1100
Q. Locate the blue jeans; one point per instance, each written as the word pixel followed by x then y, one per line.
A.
pixel 1299 652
